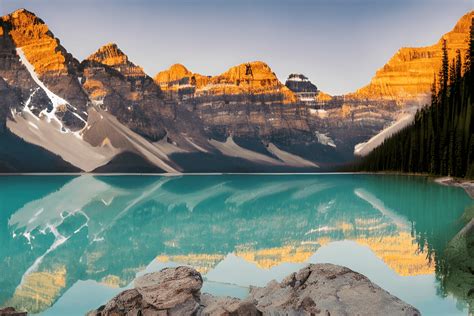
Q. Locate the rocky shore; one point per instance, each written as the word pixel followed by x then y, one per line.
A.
pixel 467 185
pixel 318 289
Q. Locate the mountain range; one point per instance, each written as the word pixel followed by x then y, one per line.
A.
pixel 105 114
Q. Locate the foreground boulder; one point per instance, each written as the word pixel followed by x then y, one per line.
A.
pixel 172 291
pixel 328 289
pixel 324 289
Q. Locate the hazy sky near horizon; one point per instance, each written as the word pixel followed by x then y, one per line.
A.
pixel 338 44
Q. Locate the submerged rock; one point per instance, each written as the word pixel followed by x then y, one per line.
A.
pixel 10 311
pixel 324 289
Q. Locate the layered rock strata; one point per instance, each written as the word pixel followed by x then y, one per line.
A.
pixel 408 75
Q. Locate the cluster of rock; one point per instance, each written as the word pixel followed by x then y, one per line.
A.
pixel 324 289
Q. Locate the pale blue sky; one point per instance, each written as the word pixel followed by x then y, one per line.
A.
pixel 338 44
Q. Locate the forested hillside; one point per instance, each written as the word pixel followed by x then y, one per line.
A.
pixel 440 141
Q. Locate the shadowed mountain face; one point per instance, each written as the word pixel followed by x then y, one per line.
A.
pixel 98 114
pixel 54 239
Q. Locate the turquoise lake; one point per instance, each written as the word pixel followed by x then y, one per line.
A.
pixel 70 243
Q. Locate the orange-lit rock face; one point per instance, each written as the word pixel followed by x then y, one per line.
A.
pixel 175 73
pixel 112 56
pixel 323 97
pixel 249 78
pixel 95 88
pixel 409 74
pixel 172 78
pixel 38 43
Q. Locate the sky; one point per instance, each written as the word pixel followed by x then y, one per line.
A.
pixel 337 44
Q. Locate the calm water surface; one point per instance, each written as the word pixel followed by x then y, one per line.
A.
pixel 68 244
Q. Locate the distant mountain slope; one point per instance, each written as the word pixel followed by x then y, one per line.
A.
pixel 441 139
pixel 19 156
pixel 408 75
pixel 105 111
pixel 255 78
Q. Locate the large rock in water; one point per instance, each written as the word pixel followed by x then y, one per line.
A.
pixel 324 289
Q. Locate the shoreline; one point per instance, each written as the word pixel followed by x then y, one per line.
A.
pixel 467 185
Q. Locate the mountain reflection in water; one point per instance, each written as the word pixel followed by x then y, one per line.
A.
pixel 71 243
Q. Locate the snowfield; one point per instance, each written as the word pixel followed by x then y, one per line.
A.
pixel 404 119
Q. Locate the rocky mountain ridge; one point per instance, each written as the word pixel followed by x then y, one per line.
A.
pixel 105 113
pixel 408 76
pixel 252 78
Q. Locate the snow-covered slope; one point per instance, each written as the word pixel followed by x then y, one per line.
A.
pixel 70 146
pixel 56 100
pixel 403 120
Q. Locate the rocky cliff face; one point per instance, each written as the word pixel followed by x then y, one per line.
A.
pixel 306 92
pixel 118 86
pixel 408 75
pixel 112 56
pixel 106 109
pixel 41 53
pixel 253 78
pixel 300 83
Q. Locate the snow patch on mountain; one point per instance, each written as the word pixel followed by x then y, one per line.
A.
pixel 324 139
pixel 56 100
pixel 68 145
pixel 403 121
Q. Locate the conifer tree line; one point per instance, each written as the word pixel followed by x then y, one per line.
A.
pixel 440 141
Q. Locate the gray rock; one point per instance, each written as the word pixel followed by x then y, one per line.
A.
pixel 174 289
pixel 327 289
pixel 323 289
pixel 227 306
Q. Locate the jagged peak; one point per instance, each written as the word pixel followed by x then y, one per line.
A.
pixel 254 64
pixel 464 22
pixel 254 70
pixel 21 11
pixel 109 54
pixel 23 17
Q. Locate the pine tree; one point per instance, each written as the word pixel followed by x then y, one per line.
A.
pixel 441 139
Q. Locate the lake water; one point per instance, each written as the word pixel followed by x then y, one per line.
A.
pixel 68 244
